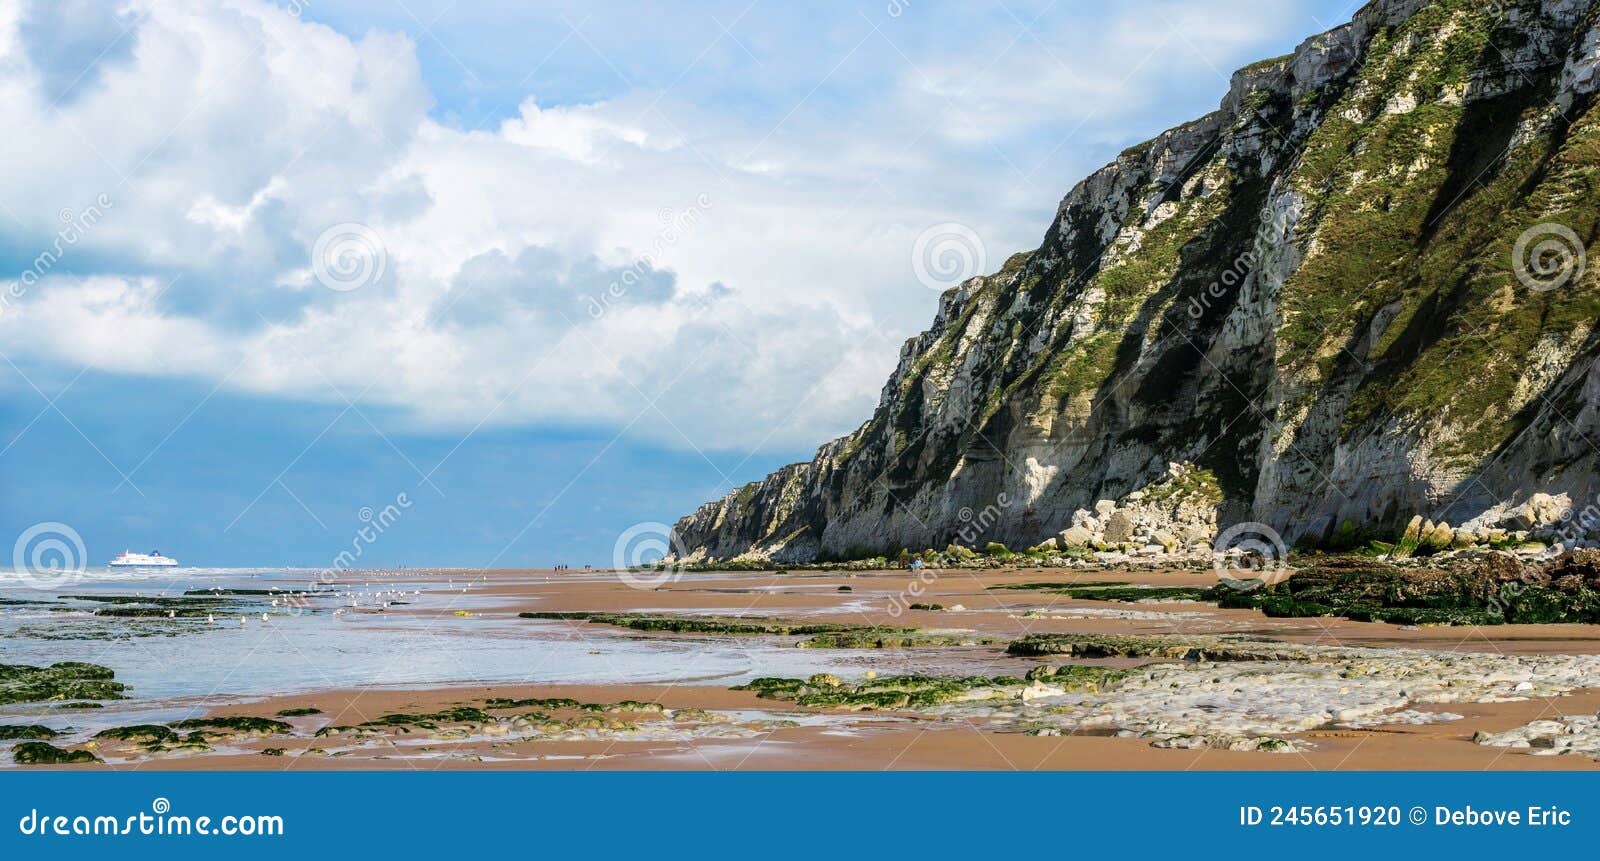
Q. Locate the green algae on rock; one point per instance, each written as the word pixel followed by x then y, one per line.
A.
pixel 12 732
pixel 67 680
pixel 1485 589
pixel 554 703
pixel 896 638
pixel 891 692
pixel 820 635
pixel 1123 592
pixel 230 727
pixel 459 714
pixel 145 733
pixel 1156 647
pixel 731 625
pixel 41 753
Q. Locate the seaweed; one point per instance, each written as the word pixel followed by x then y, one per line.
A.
pixel 894 638
pixel 537 703
pixel 42 753
pixel 892 692
pixel 1123 592
pixel 459 714
pixel 1492 589
pixel 13 732
pixel 148 734
pixel 235 725
pixel 730 625
pixel 68 680
pixel 1170 647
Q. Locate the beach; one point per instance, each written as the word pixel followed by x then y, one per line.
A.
pixel 440 669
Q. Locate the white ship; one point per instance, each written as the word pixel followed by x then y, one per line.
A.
pixel 153 559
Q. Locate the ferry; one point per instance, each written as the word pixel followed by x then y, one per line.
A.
pixel 153 559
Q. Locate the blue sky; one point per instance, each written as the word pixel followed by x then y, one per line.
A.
pixel 550 269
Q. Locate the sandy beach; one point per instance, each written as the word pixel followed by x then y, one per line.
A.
pixel 677 715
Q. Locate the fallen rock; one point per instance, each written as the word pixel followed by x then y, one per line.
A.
pixel 1119 527
pixel 1074 537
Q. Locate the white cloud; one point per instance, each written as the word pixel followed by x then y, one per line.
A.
pixel 770 268
pixel 581 133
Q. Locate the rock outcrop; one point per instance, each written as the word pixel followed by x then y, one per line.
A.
pixel 1354 294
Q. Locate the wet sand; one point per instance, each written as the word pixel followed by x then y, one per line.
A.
pixel 888 740
pixel 878 744
pixel 815 596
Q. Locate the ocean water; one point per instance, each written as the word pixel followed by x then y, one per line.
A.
pixel 339 638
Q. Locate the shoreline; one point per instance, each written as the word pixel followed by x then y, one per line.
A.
pixel 915 746
pixel 740 730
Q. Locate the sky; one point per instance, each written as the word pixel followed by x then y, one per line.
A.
pixel 541 272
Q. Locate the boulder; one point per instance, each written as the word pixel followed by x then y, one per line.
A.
pixel 1167 540
pixel 1505 568
pixel 1546 509
pixel 1119 527
pixel 1413 531
pixel 1437 535
pixel 1541 509
pixel 1073 537
pixel 1582 565
pixel 1104 507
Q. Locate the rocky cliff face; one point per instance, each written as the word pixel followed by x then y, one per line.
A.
pixel 1342 296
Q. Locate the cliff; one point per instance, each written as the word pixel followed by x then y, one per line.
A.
pixel 1354 293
